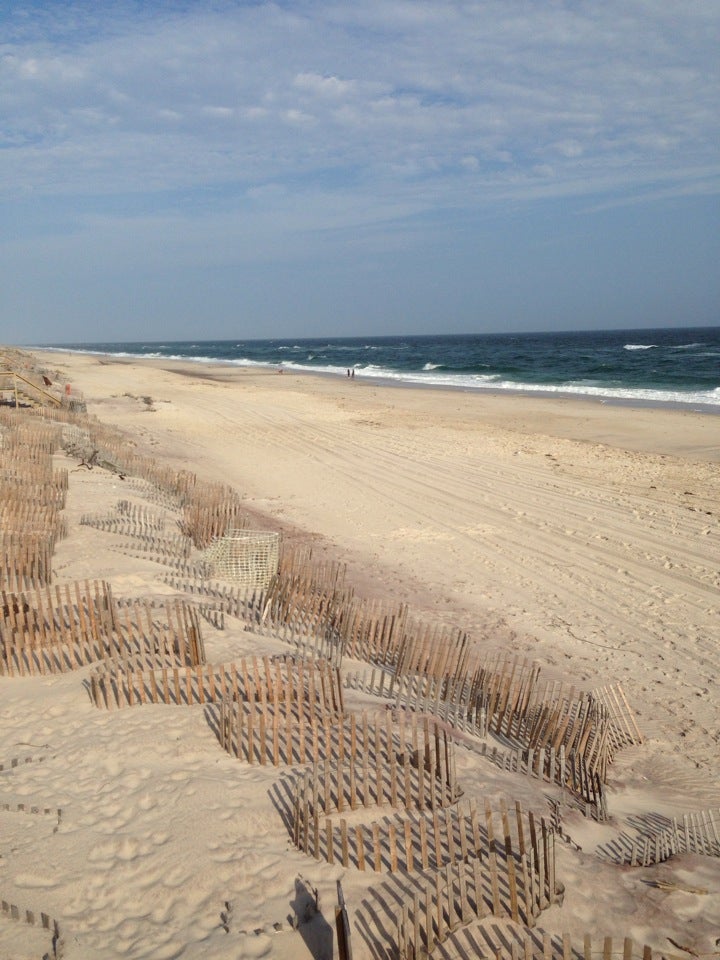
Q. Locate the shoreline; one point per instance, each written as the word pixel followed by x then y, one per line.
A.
pixel 399 382
pixel 564 416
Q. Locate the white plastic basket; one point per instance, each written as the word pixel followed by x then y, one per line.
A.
pixel 246 557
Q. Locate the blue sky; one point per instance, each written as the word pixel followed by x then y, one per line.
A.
pixel 226 169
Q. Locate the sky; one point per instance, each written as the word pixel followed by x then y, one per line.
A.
pixel 219 169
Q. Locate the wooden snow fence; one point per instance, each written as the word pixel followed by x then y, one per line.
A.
pixel 592 726
pixel 579 722
pixel 560 734
pixel 30 439
pixel 213 509
pixel 102 446
pixel 502 862
pixel 433 650
pixel 385 635
pixel 373 631
pixel 299 560
pixel 311 639
pixel 31 490
pixel 303 607
pixel 65 627
pixel 246 604
pixel 488 699
pixel 495 946
pixel 697 832
pixel 293 718
pixel 442 696
pixel 31 483
pixel 171 550
pixel 33 458
pixel 554 766
pixel 510 872
pixel 10 911
pixel 32 495
pixel 623 730
pixel 208 509
pixel 25 518
pixel 363 761
pixel 146 530
pixel 421 694
pixel 567 740
pixel 550 715
pixel 159 495
pixel 310 631
pixel 270 680
pixel 314 600
pixel 603 948
pixel 128 519
pixel 275 735
pixel 502 687
pixel 25 561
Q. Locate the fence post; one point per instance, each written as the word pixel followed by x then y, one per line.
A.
pixel 342 926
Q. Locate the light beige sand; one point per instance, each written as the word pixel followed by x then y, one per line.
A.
pixel 584 535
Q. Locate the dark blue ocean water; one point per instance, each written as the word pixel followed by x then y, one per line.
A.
pixel 672 365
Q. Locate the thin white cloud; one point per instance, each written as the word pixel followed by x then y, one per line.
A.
pixel 393 87
pixel 331 87
pixel 218 112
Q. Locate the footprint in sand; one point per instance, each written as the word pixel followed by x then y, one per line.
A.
pixel 253 946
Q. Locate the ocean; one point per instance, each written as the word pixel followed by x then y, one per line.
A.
pixel 677 366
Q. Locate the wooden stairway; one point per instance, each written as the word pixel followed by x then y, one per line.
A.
pixel 18 390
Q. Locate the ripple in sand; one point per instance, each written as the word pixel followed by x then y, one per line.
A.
pixel 35 881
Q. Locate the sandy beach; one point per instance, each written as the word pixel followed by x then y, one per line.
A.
pixel 582 536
